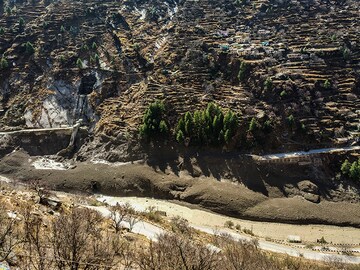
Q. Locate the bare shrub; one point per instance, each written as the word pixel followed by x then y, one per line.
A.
pixel 103 252
pixel 118 214
pixel 229 224
pixel 10 236
pixel 127 255
pixel 36 243
pixel 153 215
pixel 180 225
pixel 72 235
pixel 132 219
pixel 176 252
pixel 241 255
pixel 41 190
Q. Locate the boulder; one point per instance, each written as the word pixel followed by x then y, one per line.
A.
pixel 308 187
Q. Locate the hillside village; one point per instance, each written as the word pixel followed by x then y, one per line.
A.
pixel 105 62
pixel 247 111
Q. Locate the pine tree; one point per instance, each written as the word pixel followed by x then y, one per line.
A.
pixel 354 171
pixel 254 125
pixel 244 68
pixel 154 124
pixel 345 167
pixel 79 63
pixel 180 136
pixel 21 24
pixel 29 48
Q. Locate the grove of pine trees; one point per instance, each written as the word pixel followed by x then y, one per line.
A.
pixel 207 127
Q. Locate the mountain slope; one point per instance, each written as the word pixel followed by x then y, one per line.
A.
pixel 104 62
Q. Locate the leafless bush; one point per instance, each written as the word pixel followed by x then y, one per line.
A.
pixel 118 214
pixel 244 255
pixel 72 236
pixel 229 224
pixel 127 255
pixel 176 252
pixel 77 240
pixel 41 190
pixel 103 252
pixel 180 225
pixel 35 243
pixel 10 236
pixel 132 219
pixel 152 214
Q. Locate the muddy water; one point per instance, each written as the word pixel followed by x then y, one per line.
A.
pixel 278 231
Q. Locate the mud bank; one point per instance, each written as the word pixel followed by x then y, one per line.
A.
pixel 223 197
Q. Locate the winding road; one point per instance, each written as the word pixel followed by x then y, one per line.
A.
pixel 310 152
pixel 41 130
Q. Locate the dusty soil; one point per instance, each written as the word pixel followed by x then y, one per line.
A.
pixel 225 197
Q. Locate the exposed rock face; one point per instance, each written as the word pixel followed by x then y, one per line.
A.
pixel 64 104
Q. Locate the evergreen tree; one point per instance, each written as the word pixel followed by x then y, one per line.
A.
pixel 327 84
pixel 254 125
pixel 345 167
pixel 243 72
pixel 4 63
pixel 154 124
pixel 189 124
pixel 351 170
pixel 291 121
pixel 268 85
pixel 21 24
pixel 180 136
pixel 354 171
pixel 230 126
pixel 79 63
pixel 207 127
pixel 29 48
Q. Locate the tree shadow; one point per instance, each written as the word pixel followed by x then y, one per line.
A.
pixel 231 166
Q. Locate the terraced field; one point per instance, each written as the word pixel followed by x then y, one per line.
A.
pixel 104 62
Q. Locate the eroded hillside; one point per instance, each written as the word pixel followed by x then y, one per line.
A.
pixel 104 61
